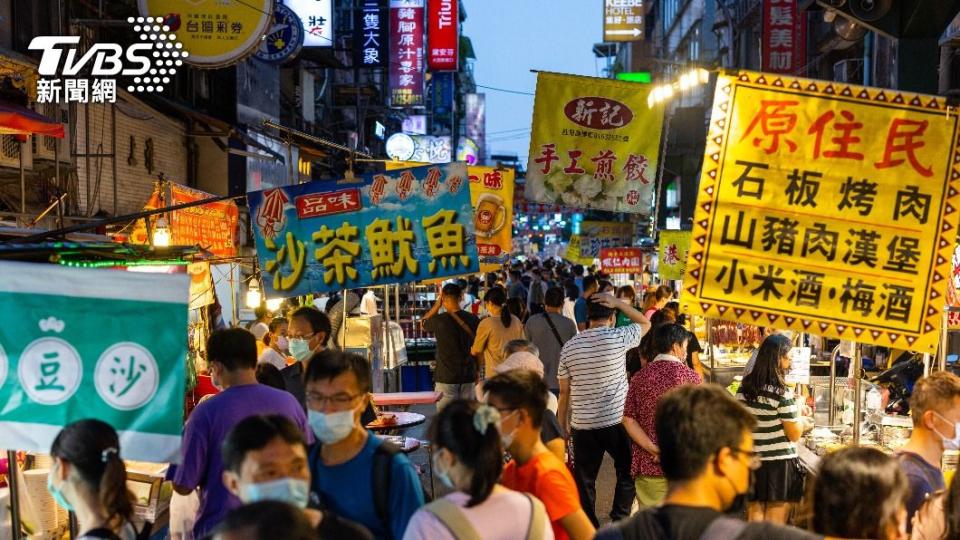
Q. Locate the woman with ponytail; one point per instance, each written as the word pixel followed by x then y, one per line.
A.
pixel 467 461
pixel 500 328
pixel 89 479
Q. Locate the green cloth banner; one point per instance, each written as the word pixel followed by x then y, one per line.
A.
pixel 82 343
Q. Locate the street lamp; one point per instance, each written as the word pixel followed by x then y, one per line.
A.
pixel 161 233
pixel 253 295
pixel 690 79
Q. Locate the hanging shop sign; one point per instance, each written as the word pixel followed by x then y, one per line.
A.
pixel 621 260
pixel 826 208
pixel 83 343
pixel 284 38
pixel 214 34
pixel 317 18
pixel 370 34
pixel 415 124
pixel 596 235
pixel 491 191
pixel 672 255
pixel 572 252
pixel 212 226
pixel 622 20
pixel 201 284
pixel 443 35
pixel 476 113
pixel 406 53
pixel 594 144
pixel 409 225
pixel 783 44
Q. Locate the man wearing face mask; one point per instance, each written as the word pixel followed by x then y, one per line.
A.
pixel 706 443
pixel 275 353
pixel 265 459
pixel 355 473
pixel 308 333
pixel 232 360
pixel 935 410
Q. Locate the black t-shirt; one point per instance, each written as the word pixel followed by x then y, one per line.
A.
pixel 693 346
pixel 454 363
pixel 550 429
pixel 334 527
pixel 671 522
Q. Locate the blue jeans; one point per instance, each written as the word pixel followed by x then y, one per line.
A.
pixel 454 391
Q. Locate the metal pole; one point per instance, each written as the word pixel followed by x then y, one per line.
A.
pixel 56 171
pixel 944 340
pixel 113 136
pixel 343 327
pixel 391 354
pixel 23 184
pixel 713 362
pixel 14 482
pixel 831 391
pixel 926 364
pixel 857 387
pixel 86 167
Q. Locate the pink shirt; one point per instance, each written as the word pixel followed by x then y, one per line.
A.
pixel 505 515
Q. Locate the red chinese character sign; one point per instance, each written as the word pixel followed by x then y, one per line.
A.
pixel 594 144
pixel 621 260
pixel 406 52
pixel 784 36
pixel 443 35
pixel 405 225
pixel 826 208
pixel 211 226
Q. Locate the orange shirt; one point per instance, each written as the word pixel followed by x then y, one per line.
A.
pixel 548 479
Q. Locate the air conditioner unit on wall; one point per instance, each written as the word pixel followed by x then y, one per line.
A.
pixel 848 71
pixel 10 149
pixel 44 147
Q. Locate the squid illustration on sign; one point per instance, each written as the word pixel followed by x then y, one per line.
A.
pixel 270 216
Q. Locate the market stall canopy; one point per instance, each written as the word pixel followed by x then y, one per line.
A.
pixel 17 120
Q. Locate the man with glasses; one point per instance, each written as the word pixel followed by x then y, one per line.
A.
pixel 232 362
pixel 355 474
pixel 308 333
pixel 706 451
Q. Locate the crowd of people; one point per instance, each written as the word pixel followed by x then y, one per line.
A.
pixel 532 401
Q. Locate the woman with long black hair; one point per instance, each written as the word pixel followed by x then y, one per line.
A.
pixel 779 481
pixel 500 328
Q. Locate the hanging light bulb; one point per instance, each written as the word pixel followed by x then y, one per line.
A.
pixel 254 298
pixel 161 233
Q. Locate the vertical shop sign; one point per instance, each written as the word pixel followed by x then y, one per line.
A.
pixel 475 105
pixel 443 35
pixel 406 53
pixel 784 36
pixel 441 100
pixel 317 17
pixel 672 260
pixel 83 343
pixel 370 38
pixel 826 208
pixel 623 20
pixel 491 190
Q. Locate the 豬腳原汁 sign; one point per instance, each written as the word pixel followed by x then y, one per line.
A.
pixel 621 260
pixel 406 225
pixel 87 343
pixel 826 208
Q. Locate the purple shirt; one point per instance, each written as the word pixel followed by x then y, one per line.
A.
pixel 207 427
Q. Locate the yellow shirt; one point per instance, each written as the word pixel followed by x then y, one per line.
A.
pixel 492 336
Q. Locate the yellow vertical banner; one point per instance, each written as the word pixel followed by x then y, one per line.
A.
pixel 826 208
pixel 491 190
pixel 594 144
pixel 674 246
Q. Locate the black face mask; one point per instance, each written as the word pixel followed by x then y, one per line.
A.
pixel 739 504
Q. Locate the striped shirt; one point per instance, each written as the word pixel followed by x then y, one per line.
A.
pixel 595 363
pixel 771 410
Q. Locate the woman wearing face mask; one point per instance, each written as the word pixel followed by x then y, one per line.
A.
pixel 89 478
pixel 468 459
pixel 275 353
pixel 265 459
pixel 500 328
pixel 859 493
pixel 779 481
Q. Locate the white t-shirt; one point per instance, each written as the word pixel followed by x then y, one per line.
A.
pixel 595 363
pixel 505 515
pixel 368 306
pixel 259 330
pixel 568 309
pixel 270 356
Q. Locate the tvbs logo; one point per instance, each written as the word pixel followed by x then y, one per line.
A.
pixel 69 75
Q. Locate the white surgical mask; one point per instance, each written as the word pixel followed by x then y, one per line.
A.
pixel 507 438
pixel 331 428
pixel 442 475
pixel 948 443
pixel 300 349
pixel 282 343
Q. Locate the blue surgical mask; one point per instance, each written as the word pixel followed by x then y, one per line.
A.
pixel 331 428
pixel 949 444
pixel 289 490
pixel 442 476
pixel 300 349
pixel 58 494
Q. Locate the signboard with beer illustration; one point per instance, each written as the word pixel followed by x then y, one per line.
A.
pixel 594 144
pixel 826 208
pixel 406 225
pixel 491 190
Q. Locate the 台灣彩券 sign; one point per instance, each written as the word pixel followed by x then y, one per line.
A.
pixel 674 246
pixel 596 235
pixel 491 190
pixel 594 144
pixel 826 208
pixel 408 225
pixel 84 343
pixel 621 260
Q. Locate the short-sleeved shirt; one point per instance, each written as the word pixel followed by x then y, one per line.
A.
pixel 924 479
pixel 548 479
pixel 272 357
pixel 595 362
pixel 550 428
pixel 492 336
pixel 660 376
pixel 206 429
pixel 580 310
pixel 539 332
pixel 672 522
pixel 454 363
pixel 347 489
pixel 505 515
pixel 772 408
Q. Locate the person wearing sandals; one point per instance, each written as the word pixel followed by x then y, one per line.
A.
pixel 468 461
